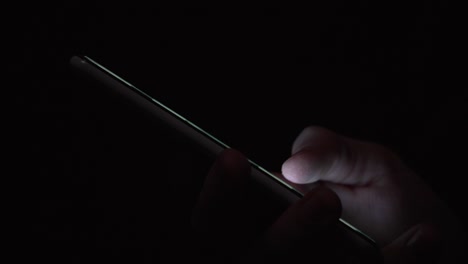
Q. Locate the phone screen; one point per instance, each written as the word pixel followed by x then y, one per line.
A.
pixel 177 132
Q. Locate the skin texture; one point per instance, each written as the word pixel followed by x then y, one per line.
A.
pixel 374 185
pixel 226 214
pixel 362 182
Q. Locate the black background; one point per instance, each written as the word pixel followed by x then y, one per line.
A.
pixel 96 173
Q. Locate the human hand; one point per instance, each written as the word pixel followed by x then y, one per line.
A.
pixel 379 194
pixel 235 225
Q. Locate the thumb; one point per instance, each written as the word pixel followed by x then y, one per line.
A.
pixel 416 245
pixel 321 154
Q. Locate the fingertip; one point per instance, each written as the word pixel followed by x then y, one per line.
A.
pixel 291 171
pixel 313 154
pixel 300 168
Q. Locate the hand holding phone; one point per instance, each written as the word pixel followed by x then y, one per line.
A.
pixel 250 229
pixel 358 244
pixel 375 188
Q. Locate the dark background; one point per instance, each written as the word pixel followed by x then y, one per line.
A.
pixel 96 174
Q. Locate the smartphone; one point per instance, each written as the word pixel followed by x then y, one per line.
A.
pixel 364 246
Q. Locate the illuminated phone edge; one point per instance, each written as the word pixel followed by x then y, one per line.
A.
pixel 185 121
pixel 256 169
